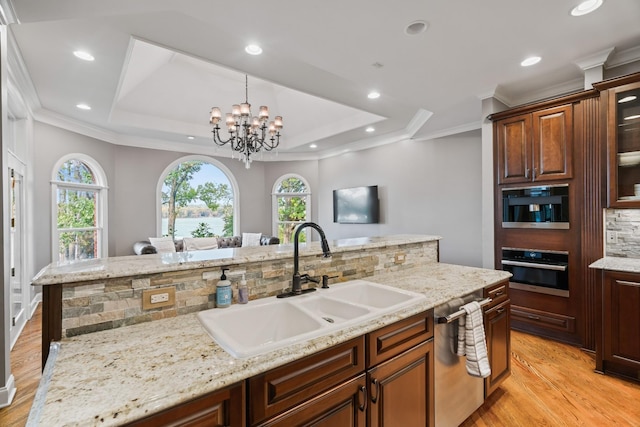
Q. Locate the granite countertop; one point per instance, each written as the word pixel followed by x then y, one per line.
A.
pixel 103 268
pixel 627 265
pixel 111 377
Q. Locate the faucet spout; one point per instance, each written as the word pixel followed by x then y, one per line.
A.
pixel 296 287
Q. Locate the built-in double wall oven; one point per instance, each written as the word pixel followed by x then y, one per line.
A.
pixel 536 207
pixel 535 270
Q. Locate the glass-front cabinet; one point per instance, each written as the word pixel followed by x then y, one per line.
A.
pixel 623 145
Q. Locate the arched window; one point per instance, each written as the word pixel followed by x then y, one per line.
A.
pixel 197 198
pixel 291 206
pixel 79 194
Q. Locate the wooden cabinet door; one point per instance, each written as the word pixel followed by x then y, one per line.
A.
pixel 344 405
pixel 217 409
pixel 514 149
pixel 621 324
pixel 497 330
pixel 552 143
pixel 401 389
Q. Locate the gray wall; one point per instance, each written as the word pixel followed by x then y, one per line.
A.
pixel 431 187
pixel 132 176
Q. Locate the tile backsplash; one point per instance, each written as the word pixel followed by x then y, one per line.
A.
pixel 622 233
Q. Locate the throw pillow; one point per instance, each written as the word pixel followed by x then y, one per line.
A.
pixel 163 244
pixel 251 239
pixel 200 243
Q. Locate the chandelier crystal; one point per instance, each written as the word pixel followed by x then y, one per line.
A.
pixel 247 134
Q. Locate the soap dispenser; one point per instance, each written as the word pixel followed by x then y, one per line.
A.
pixel 223 291
pixel 243 291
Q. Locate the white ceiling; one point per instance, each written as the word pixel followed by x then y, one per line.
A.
pixel 161 65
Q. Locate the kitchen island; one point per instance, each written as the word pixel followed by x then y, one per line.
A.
pixel 115 376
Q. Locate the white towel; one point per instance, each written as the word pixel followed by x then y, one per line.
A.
pixel 471 341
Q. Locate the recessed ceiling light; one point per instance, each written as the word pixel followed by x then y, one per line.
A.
pixel 191 137
pixel 83 106
pixel 532 60
pixel 370 129
pixel 416 27
pixel 313 146
pixel 373 95
pixel 585 7
pixel 635 116
pixel 627 99
pixel 86 56
pixel 253 49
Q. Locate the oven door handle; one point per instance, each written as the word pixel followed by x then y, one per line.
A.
pixel 535 265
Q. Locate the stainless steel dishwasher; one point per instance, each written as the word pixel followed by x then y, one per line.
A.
pixel 457 394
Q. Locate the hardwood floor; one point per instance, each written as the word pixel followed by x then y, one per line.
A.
pixel 25 366
pixel 551 384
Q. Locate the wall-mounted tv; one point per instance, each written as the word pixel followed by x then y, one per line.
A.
pixel 358 205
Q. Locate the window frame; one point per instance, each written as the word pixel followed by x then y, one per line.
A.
pixel 274 203
pixel 212 161
pixel 101 189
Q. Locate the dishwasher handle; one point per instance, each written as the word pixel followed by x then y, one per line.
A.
pixel 458 314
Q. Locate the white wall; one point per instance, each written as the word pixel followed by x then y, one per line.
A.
pixel 428 187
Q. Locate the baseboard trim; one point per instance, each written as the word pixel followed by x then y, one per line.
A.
pixel 34 304
pixel 7 393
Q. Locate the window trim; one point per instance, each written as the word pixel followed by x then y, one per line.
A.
pixel 102 198
pixel 212 161
pixel 274 202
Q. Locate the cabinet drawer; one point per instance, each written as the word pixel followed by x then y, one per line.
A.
pixel 287 386
pixel 394 339
pixel 224 407
pixel 344 405
pixel 498 293
pixel 558 322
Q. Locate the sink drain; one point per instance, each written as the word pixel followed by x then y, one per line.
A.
pixel 328 319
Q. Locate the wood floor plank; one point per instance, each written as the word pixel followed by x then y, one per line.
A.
pixel 25 367
pixel 551 384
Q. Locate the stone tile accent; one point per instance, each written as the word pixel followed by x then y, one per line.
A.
pixel 113 303
pixel 625 223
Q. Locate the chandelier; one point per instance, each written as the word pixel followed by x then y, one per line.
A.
pixel 247 134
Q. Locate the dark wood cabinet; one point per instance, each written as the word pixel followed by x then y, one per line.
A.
pixel 390 383
pixel 344 405
pixel 400 373
pixel 620 333
pixel 623 142
pixel 535 147
pixel 401 389
pixel 220 408
pixel 281 389
pixel 497 327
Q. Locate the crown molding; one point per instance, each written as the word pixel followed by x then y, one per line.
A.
pixel 597 59
pixel 59 120
pixel 623 57
pixel 564 88
pixel 451 131
pixel 19 75
pixel 8 13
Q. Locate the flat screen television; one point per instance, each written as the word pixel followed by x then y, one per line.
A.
pixel 358 205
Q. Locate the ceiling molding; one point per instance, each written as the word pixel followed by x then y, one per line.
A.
pixel 64 122
pixel 554 91
pixel 451 131
pixel 8 13
pixel 597 59
pixel 623 57
pixel 19 74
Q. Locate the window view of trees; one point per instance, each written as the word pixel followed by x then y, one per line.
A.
pixel 292 200
pixel 197 201
pixel 78 225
